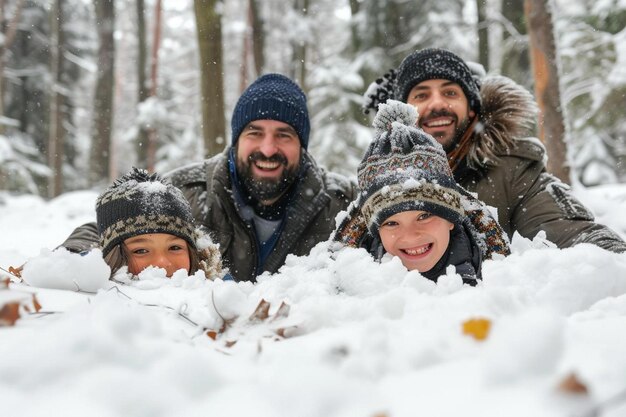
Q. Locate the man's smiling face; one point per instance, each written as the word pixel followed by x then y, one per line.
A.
pixel 268 158
pixel 443 110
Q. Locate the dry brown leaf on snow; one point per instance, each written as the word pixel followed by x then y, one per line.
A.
pixel 282 312
pixel 13 272
pixel 225 325
pixel 36 305
pixel 478 328
pixel 9 313
pixel 572 385
pixel 286 332
pixel 261 312
pixel 13 303
pixel 16 271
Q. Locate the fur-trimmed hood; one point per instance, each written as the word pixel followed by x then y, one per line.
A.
pixel 509 113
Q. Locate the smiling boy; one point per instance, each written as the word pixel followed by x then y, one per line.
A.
pixel 409 205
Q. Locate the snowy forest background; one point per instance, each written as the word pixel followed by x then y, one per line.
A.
pixel 90 87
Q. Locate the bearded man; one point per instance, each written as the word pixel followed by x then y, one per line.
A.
pixel 264 197
pixel 484 125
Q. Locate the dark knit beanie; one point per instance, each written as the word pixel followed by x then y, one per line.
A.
pixel 433 63
pixel 405 169
pixel 140 203
pixel 273 97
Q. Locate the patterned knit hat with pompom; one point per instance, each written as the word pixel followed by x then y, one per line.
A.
pixel 140 203
pixel 405 169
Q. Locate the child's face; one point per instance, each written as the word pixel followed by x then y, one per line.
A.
pixel 157 249
pixel 418 238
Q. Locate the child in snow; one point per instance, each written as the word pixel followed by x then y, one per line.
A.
pixel 145 221
pixel 410 206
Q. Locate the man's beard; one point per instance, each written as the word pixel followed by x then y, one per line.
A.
pixel 266 189
pixel 450 143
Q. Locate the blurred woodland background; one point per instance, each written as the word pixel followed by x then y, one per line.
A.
pixel 90 87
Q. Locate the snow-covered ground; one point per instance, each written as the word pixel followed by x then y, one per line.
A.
pixel 357 338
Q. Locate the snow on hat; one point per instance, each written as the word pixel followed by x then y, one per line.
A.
pixel 140 203
pixel 434 63
pixel 405 169
pixel 273 97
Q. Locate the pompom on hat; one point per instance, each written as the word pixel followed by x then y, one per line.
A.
pixel 405 169
pixel 140 203
pixel 272 97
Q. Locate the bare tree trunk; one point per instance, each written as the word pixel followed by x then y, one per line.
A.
pixel 299 51
pixel 209 27
pixel 483 34
pixel 245 52
pixel 154 67
pixel 142 87
pixel 355 7
pixel 544 60
pixel 103 101
pixel 253 44
pixel 56 132
pixel 8 32
pixel 258 38
pixel 515 56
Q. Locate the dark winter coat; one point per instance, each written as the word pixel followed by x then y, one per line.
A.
pixel 508 171
pixel 310 216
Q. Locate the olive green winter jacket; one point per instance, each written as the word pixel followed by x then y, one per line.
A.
pixel 508 171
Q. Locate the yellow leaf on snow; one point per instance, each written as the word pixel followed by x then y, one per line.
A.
pixel 478 328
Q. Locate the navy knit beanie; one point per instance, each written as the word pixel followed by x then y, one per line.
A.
pixel 272 97
pixel 405 169
pixel 434 63
pixel 139 203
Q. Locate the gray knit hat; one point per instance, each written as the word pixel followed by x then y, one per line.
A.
pixel 405 169
pixel 139 203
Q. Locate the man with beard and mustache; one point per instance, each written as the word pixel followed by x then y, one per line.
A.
pixel 264 197
pixel 483 124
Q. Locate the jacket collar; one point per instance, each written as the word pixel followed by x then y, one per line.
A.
pixel 508 112
pixel 309 198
